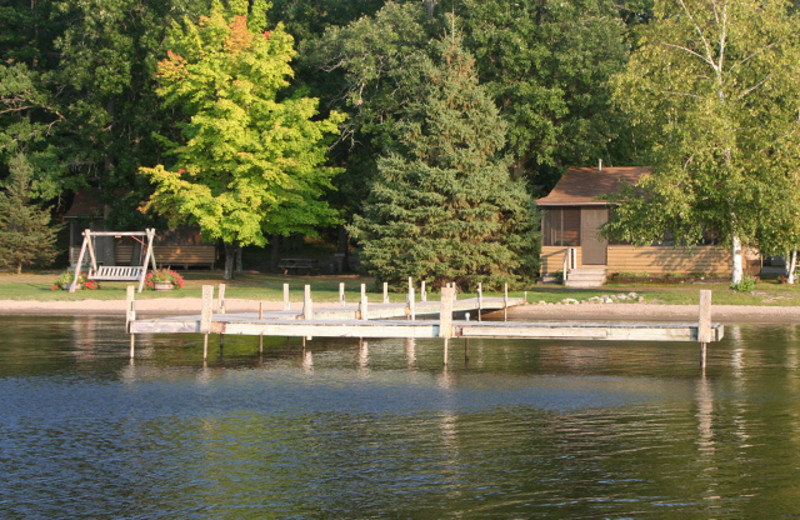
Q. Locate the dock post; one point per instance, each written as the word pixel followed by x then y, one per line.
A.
pixel 341 294
pixel 466 350
pixel 446 316
pixel 423 294
pixel 505 302
pixel 412 306
pixel 286 305
pixel 260 336
pixel 363 304
pixel 480 299
pixel 206 316
pixel 308 312
pixel 130 313
pixel 704 326
pixel 221 298
pixel 385 292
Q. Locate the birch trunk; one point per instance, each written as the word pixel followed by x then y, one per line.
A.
pixel 736 248
pixel 792 266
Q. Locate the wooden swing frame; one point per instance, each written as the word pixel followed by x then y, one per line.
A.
pixel 115 273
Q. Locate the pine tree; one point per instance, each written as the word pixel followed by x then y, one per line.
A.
pixel 444 207
pixel 26 236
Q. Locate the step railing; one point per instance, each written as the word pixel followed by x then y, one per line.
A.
pixel 569 263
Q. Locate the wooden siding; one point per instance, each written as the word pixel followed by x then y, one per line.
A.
pixel 658 260
pixel 665 259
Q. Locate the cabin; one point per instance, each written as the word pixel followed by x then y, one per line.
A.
pixel 573 214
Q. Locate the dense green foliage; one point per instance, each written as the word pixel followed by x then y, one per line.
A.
pixel 444 207
pixel 247 163
pixel 233 139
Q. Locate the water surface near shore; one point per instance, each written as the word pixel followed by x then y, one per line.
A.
pixel 382 430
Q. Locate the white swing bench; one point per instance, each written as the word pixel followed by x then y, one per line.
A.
pixel 114 273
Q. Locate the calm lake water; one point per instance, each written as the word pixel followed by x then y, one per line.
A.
pixel 527 430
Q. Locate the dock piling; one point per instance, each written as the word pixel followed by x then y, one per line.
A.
pixel 221 298
pixel 130 313
pixel 505 302
pixel 480 299
pixel 260 336
pixel 286 305
pixel 308 312
pixel 412 309
pixel 206 315
pixel 446 316
pixel 423 294
pixel 385 292
pixel 704 326
pixel 363 314
pixel 341 294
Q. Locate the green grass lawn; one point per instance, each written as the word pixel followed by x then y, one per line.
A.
pixel 257 286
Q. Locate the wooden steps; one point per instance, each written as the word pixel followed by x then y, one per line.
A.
pixel 585 277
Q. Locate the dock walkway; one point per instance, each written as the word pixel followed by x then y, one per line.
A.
pixel 369 320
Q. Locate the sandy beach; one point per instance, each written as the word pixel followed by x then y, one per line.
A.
pixel 586 311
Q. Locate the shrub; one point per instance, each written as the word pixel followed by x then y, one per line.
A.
pixel 746 285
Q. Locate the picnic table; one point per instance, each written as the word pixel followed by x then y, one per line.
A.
pixel 299 265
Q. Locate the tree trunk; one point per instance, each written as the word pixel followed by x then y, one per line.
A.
pixel 344 248
pixel 230 259
pixel 737 273
pixel 238 268
pixel 275 253
pixel 19 268
pixel 792 266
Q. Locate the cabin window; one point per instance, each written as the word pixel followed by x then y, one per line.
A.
pixel 561 227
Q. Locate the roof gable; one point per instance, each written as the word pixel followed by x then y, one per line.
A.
pixel 585 186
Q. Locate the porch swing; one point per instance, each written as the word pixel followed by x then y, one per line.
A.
pixel 116 273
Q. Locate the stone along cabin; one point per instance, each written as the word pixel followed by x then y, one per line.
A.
pixel 573 214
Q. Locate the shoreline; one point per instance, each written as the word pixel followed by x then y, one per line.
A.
pixel 639 312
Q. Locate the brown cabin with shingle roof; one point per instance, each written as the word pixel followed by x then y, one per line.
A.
pixel 573 214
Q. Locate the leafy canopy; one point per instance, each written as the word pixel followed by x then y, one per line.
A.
pixel 247 162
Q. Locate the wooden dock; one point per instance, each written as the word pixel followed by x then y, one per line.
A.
pixel 397 320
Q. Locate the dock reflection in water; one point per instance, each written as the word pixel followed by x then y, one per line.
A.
pixel 379 430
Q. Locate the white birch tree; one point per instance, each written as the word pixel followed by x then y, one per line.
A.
pixel 714 83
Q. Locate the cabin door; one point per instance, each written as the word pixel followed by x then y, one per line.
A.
pixel 593 247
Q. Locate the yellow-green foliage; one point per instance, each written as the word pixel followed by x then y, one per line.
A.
pixel 247 164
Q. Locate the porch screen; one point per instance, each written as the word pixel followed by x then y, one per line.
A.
pixel 561 227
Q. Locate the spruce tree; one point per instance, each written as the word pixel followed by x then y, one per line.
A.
pixel 444 207
pixel 26 236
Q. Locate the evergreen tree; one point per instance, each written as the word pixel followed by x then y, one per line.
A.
pixel 26 236
pixel 444 207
